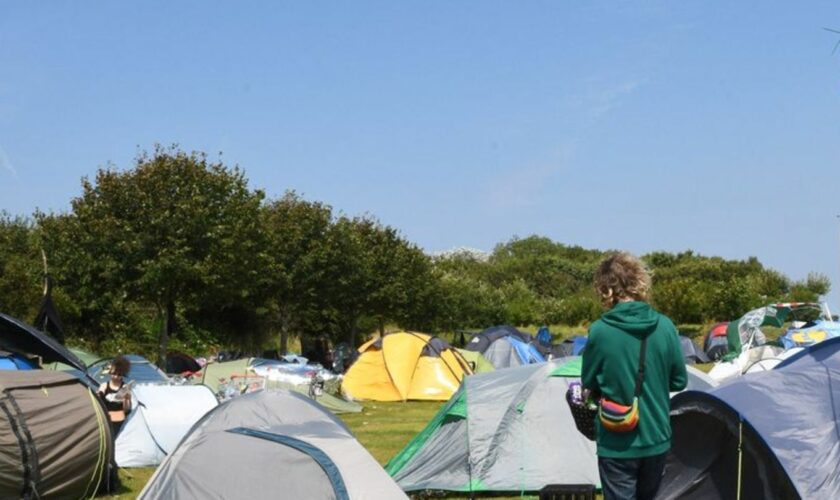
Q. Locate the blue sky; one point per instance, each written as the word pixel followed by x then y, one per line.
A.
pixel 712 126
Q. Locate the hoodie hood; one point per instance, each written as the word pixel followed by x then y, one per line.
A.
pixel 635 318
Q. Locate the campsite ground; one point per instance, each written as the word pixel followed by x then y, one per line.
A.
pixel 382 428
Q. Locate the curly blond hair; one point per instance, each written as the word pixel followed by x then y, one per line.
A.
pixel 622 276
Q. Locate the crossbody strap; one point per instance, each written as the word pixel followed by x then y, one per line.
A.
pixel 640 376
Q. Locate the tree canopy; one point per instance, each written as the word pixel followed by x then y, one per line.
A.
pixel 179 249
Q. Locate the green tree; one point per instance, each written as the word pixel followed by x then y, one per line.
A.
pixel 174 231
pixel 296 278
pixel 21 275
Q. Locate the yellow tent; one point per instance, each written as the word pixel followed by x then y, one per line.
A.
pixel 405 365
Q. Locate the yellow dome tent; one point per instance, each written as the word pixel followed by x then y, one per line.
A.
pixel 405 365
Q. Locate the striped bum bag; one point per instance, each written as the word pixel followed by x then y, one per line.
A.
pixel 616 417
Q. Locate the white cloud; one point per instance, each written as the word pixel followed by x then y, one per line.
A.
pixel 6 164
pixel 601 98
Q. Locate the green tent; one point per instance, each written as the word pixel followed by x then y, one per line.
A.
pixel 88 358
pixel 477 361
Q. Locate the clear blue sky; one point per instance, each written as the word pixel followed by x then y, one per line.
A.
pixel 712 126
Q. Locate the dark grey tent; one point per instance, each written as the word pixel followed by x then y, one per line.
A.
pixel 18 337
pixel 774 433
pixel 270 444
pixel 691 352
pixel 55 441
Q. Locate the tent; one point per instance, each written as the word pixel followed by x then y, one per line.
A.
pixel 270 443
pixel 572 346
pixel 478 363
pixel 691 352
pixel 505 346
pixel 405 365
pixel 746 333
pixel 783 421
pixel 715 343
pixel 179 363
pixel 19 338
pixel 160 417
pixel 508 430
pixel 810 334
pixel 142 371
pixel 229 379
pixel 14 361
pixel 56 442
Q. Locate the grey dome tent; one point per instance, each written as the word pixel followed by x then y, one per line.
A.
pixel 270 443
pixel 507 430
pixel 505 346
pixel 55 441
pixel 783 421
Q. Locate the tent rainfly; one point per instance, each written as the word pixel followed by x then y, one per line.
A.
pixel 774 434
pixel 405 365
pixel 56 442
pixel 505 346
pixel 160 417
pixel 277 443
pixel 509 430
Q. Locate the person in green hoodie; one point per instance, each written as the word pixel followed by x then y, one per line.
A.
pixel 631 462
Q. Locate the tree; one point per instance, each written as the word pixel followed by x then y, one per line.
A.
pixel 296 278
pixel 174 231
pixel 21 277
pixel 376 273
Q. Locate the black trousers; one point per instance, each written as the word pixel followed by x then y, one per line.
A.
pixel 631 478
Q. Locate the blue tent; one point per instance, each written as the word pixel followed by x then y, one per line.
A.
pixel 810 335
pixel 505 346
pixel 774 434
pixel 12 361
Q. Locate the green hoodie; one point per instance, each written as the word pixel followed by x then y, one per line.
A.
pixel 610 365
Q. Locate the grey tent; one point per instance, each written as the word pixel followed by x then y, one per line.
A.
pixel 773 433
pixel 505 346
pixel 270 443
pixel 691 352
pixel 507 430
pixel 55 441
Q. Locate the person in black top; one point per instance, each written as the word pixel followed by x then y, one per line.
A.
pixel 117 400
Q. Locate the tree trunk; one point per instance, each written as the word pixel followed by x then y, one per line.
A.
pixel 166 328
pixel 284 338
pixel 351 339
pixel 381 326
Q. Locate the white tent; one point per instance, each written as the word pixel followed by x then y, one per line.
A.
pixel 161 416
